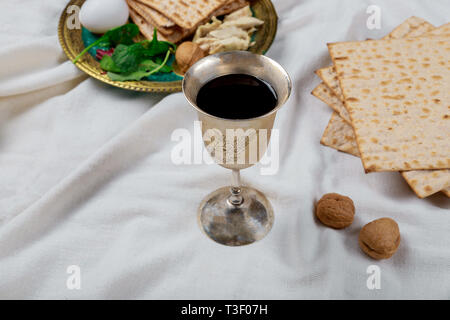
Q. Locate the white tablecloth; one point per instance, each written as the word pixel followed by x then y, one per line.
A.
pixel 87 179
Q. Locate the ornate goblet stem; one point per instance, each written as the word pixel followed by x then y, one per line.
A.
pixel 236 198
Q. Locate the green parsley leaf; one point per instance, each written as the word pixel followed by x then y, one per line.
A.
pixel 119 35
pixel 107 63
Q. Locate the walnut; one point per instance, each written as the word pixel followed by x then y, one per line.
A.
pixel 335 211
pixel 187 54
pixel 380 238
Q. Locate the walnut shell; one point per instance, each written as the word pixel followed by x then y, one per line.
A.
pixel 187 54
pixel 335 210
pixel 380 238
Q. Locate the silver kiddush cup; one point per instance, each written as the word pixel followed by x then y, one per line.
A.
pixel 236 215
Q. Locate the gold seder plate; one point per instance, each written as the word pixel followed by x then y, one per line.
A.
pixel 72 44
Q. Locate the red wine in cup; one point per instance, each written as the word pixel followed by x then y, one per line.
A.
pixel 237 96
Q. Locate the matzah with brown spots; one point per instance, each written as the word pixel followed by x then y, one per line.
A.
pixel 340 136
pixel 446 191
pixel 427 182
pixel 151 16
pixel 146 28
pixel 229 7
pixel 185 13
pixel 167 26
pixel 444 29
pixel 411 27
pixel 159 19
pixel 326 95
pixel 399 103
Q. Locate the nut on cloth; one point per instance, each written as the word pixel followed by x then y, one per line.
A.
pixel 380 238
pixel 335 210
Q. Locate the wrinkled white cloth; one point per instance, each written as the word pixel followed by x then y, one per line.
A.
pixel 87 180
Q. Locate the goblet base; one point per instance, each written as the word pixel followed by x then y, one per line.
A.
pixel 235 225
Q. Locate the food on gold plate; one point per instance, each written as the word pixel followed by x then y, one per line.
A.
pixel 176 20
pixel 335 210
pixel 130 60
pixel 187 54
pixel 234 33
pixel 141 15
pixel 124 56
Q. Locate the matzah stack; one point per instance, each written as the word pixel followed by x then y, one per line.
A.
pixel 397 94
pixel 177 19
pixel 339 133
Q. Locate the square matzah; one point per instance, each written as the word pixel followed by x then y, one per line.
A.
pixel 397 93
pixel 185 13
pixel 339 135
pixel 411 27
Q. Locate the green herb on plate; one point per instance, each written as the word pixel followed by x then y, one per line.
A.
pixel 108 64
pixel 156 47
pixel 127 58
pixel 132 60
pixel 138 60
pixel 145 69
pixel 119 35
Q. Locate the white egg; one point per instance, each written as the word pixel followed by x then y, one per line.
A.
pixel 99 16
